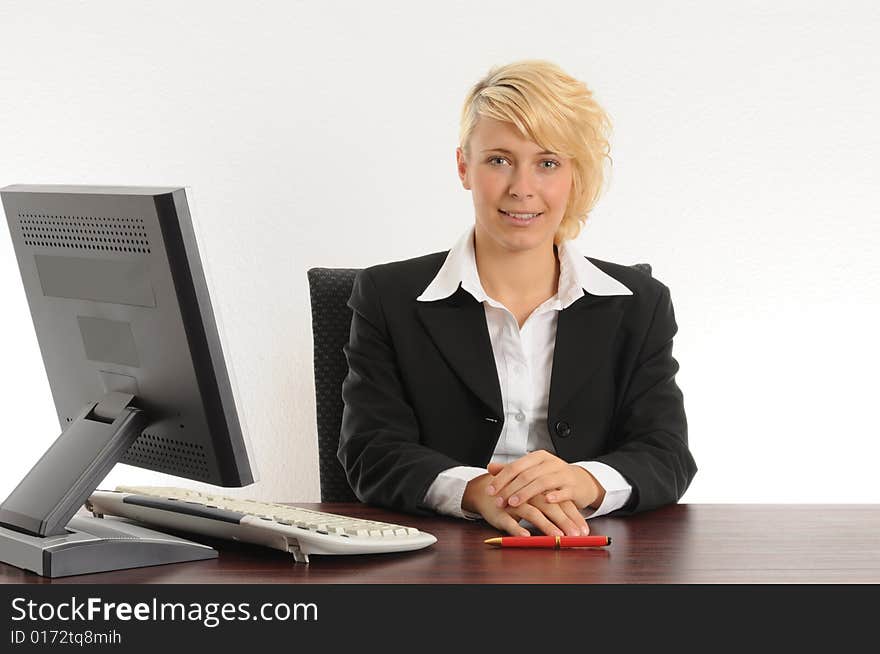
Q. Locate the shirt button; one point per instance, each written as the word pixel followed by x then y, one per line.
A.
pixel 520 416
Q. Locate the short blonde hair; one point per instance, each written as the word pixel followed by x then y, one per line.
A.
pixel 556 111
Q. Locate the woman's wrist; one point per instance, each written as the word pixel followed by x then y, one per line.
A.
pixel 472 492
pixel 592 489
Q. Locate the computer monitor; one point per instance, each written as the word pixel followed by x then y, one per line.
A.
pixel 123 317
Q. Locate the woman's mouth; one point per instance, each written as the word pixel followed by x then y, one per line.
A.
pixel 520 218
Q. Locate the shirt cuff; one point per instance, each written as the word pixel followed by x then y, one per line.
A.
pixel 447 490
pixel 617 490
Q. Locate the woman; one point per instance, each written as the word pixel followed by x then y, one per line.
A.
pixel 511 378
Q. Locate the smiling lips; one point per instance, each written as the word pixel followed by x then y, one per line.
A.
pixel 521 216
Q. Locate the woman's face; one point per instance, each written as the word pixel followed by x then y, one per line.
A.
pixel 508 174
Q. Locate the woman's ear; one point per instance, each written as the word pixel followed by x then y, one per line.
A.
pixel 462 164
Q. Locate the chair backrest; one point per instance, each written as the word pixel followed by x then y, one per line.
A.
pixel 330 289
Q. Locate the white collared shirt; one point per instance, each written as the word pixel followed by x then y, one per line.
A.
pixel 524 361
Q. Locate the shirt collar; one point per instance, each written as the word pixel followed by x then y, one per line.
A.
pixel 577 275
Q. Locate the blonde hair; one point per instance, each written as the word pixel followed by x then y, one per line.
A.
pixel 557 112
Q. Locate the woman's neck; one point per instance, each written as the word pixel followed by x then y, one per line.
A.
pixel 529 275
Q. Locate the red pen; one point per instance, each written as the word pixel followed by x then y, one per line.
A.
pixel 554 542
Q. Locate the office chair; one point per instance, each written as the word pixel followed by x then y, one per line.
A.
pixel 329 289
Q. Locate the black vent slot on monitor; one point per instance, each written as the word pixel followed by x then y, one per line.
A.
pixel 93 233
pixel 168 455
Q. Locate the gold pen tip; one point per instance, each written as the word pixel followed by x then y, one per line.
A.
pixel 492 541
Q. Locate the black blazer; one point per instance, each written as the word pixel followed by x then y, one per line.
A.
pixel 422 393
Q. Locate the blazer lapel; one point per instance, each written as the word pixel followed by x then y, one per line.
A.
pixel 457 325
pixel 584 334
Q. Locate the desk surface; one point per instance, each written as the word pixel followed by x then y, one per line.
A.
pixel 685 543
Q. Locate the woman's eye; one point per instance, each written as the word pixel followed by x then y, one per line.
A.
pixel 553 164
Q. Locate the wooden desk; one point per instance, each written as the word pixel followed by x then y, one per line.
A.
pixel 686 543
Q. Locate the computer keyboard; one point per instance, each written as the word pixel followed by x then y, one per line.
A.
pixel 287 528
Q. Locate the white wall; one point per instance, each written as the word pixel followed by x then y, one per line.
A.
pixel 323 134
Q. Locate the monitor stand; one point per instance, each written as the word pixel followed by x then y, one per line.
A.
pixel 39 530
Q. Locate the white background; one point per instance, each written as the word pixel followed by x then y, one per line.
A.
pixel 323 134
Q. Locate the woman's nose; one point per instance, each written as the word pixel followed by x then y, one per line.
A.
pixel 521 185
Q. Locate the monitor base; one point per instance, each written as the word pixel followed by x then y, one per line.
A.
pixel 97 545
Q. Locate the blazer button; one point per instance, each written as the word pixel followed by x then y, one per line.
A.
pixel 563 429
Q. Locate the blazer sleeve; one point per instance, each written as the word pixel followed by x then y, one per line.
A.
pixel 379 444
pixel 650 427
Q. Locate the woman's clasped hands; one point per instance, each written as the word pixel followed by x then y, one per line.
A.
pixel 539 487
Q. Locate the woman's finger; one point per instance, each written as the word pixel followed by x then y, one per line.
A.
pixel 495 468
pixel 558 516
pixel 516 468
pixel 532 475
pixel 503 521
pixel 544 481
pixel 511 471
pixel 518 484
pixel 537 518
pixel 580 523
pixel 559 495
